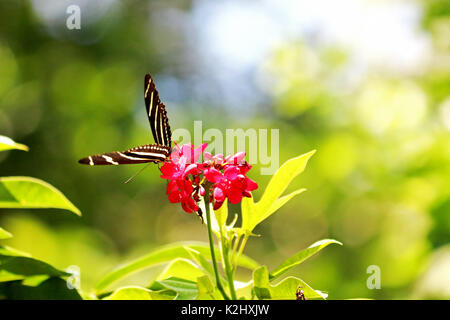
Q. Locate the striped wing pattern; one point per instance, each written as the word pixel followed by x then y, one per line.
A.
pixel 142 154
pixel 156 112
pixel 159 124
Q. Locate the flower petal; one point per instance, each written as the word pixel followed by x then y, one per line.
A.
pixel 175 197
pixel 213 175
pixel 231 173
pixel 191 169
pixel 251 185
pixel 171 186
pixel 169 170
pixel 202 191
pixel 186 207
pixel 192 204
pixel 237 158
pixel 199 150
pixel 219 195
pixel 234 195
pixel 207 156
pixel 217 205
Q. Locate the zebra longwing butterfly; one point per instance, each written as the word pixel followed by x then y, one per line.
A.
pixel 159 125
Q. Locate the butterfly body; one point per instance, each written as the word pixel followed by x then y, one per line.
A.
pixel 159 125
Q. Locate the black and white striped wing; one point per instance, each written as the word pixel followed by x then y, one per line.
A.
pixel 157 115
pixel 142 154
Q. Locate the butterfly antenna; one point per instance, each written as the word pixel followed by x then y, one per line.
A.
pixel 134 175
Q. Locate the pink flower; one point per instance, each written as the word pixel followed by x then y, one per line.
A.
pixel 217 159
pixel 237 158
pixel 232 184
pixel 173 171
pixel 226 178
pixel 188 152
pixel 180 188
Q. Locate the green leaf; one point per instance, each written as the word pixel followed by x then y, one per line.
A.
pixel 201 261
pixel 261 284
pixel 50 289
pixel 162 295
pixel 26 266
pixel 185 289
pixel 181 268
pixel 248 208
pixel 254 213
pixel 130 293
pixel 26 192
pixel 301 256
pixel 214 223
pixel 282 178
pixel 8 251
pixel 4 234
pixel 6 276
pixel 205 285
pixel 243 289
pixel 159 292
pixel 221 214
pixel 34 281
pixel 206 289
pixel 164 255
pixel 286 289
pixel 39 279
pixel 8 144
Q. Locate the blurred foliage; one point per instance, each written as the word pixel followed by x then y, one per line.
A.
pixel 379 181
pixel 21 276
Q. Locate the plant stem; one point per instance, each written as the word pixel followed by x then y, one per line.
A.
pixel 236 242
pixel 226 259
pixel 235 252
pixel 211 246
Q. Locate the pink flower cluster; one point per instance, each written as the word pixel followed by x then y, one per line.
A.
pixel 224 177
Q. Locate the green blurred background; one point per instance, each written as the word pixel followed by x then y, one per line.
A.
pixel 366 83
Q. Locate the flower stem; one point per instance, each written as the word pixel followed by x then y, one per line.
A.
pixel 211 246
pixel 228 270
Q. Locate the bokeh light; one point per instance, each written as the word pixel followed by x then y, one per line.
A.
pixel 366 83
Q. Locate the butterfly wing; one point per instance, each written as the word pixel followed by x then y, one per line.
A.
pixel 142 154
pixel 157 115
pixel 159 124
